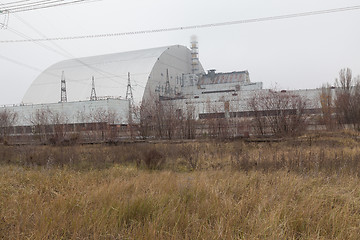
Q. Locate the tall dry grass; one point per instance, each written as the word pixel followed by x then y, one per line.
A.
pixel 313 154
pixel 127 203
pixel 303 188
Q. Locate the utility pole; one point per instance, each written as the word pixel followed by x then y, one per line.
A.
pixel 63 88
pixel 93 92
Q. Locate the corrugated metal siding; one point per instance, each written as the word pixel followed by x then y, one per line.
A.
pixel 110 73
pixel 112 110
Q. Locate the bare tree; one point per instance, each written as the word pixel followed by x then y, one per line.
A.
pixel 347 100
pixel 345 80
pixel 327 107
pixel 189 121
pixel 216 120
pixel 101 118
pixel 281 112
pixel 259 122
pixel 343 94
pixel 165 119
pixel 41 119
pixel 7 120
pixel 60 124
pixel 145 120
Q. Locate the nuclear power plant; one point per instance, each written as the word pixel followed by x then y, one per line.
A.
pixel 124 91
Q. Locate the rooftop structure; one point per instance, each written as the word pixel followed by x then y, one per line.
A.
pixel 148 69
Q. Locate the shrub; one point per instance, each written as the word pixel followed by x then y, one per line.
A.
pixel 153 159
pixel 190 154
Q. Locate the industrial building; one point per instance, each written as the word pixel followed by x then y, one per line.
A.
pixel 149 70
pixel 115 92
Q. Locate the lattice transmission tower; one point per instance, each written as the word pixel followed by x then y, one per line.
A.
pixel 63 88
pixel 130 97
pixel 129 93
pixel 93 92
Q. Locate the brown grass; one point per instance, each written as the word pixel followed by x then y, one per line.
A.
pixel 236 190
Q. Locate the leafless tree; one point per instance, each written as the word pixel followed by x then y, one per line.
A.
pixel 189 121
pixel 59 123
pixel 101 119
pixel 166 119
pixel 347 100
pixel 259 122
pixel 7 120
pixel 145 120
pixel 133 120
pixel 40 119
pixel 327 107
pixel 216 120
pixel 343 96
pixel 345 80
pixel 281 112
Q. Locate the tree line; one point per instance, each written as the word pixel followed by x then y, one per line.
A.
pixel 272 112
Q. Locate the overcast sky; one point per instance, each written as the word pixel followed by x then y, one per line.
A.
pixel 293 53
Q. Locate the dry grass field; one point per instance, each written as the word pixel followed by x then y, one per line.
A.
pixel 300 188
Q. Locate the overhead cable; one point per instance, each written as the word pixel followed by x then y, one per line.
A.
pixel 20 63
pixel 41 5
pixel 15 2
pixel 27 4
pixel 211 25
pixel 65 53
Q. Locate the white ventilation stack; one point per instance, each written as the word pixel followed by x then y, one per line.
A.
pixel 194 55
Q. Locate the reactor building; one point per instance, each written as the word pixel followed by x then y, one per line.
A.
pixel 111 90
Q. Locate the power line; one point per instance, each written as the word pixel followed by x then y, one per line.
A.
pixel 20 63
pixel 211 25
pixel 27 4
pixel 107 75
pixel 62 53
pixel 10 3
pixel 65 53
pixel 41 5
pixel 38 43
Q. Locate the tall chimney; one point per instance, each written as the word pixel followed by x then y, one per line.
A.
pixel 194 55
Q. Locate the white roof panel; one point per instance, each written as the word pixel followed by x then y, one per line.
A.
pixel 110 73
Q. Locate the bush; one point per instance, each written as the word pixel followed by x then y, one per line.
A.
pixel 191 155
pixel 153 159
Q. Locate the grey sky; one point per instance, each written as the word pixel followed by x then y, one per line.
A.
pixel 293 53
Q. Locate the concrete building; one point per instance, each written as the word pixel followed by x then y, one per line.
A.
pixel 113 111
pixel 107 90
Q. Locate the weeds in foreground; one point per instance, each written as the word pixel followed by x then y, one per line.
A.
pixel 208 190
pixel 328 155
pixel 128 203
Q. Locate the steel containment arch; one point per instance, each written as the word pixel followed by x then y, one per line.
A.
pixel 151 70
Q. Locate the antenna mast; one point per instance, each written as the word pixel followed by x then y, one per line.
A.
pixel 63 88
pixel 93 92
pixel 129 93
pixel 130 97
